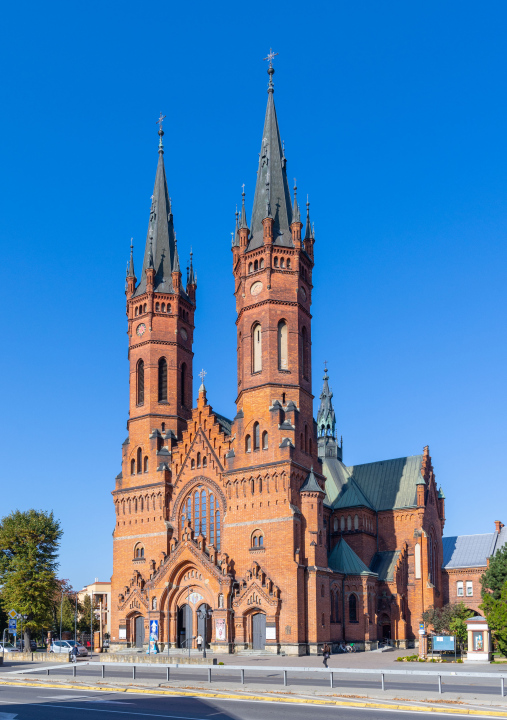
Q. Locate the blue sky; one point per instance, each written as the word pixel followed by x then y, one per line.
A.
pixel 394 121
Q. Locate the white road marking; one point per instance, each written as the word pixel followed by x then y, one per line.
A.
pixel 114 712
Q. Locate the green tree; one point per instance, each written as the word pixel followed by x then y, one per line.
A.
pixel 84 618
pixel 449 620
pixel 29 543
pixel 495 576
pixel 495 611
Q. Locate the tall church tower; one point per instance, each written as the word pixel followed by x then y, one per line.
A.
pixel 160 312
pixel 275 448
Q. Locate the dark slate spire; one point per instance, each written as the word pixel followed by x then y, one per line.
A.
pixel 160 231
pixel 130 266
pixel 296 216
pixel 326 418
pixel 191 274
pixel 272 197
pixel 235 241
pixel 242 222
pixel 308 233
pixel 176 261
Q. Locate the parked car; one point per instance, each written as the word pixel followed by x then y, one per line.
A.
pixel 65 646
pixel 8 647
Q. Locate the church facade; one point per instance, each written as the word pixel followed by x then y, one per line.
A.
pixel 252 532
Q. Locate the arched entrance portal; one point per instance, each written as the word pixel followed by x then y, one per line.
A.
pixel 185 626
pixel 259 631
pixel 204 623
pixel 139 631
pixel 386 627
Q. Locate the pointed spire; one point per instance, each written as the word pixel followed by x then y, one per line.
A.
pixel 272 196
pixel 311 484
pixel 160 230
pixel 296 217
pixel 235 239
pixel 308 233
pixel 130 265
pixel 161 133
pixel 176 263
pixel 191 275
pixel 242 222
pixel 326 418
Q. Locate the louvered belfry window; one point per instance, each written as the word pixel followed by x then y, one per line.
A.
pixel 162 380
pixel 140 382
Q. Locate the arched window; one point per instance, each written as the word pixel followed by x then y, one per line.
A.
pixel 265 440
pixel 261 264
pixel 146 463
pixel 248 444
pixel 157 307
pixel 342 523
pixel 288 264
pixel 304 352
pixel 356 522
pixel 211 519
pixel 139 550
pixel 282 263
pixel 197 514
pixel 198 459
pixel 250 267
pixel 256 265
pixel 256 436
pixel 276 262
pixel 337 613
pixel 140 382
pixel 132 466
pixel 205 462
pixel 203 513
pixel 168 308
pixel 154 604
pixel 349 523
pixel 192 464
pixel 283 358
pixel 183 383
pixel 257 348
pixel 255 541
pixel 162 380
pixel 352 608
pixel 217 525
pixel 163 307
pixel 135 312
pixel 139 460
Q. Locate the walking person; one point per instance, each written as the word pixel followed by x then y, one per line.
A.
pixel 326 652
pixel 199 642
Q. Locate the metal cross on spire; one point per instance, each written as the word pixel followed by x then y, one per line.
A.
pixel 271 55
pixel 161 119
pixel 202 375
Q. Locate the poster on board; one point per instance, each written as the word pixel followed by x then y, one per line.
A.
pixel 220 629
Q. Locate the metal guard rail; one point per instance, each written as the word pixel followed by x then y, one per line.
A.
pixel 285 670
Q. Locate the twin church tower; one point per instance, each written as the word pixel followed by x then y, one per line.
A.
pixel 224 528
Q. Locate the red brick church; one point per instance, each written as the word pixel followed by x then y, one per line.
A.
pixel 252 532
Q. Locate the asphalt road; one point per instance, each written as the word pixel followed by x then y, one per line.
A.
pixel 274 680
pixel 52 704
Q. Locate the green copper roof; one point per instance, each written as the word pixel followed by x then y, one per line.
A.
pixel 383 485
pixel 344 560
pixel 341 489
pixel 383 564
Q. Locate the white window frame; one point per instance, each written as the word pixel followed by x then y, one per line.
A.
pixel 459 588
pixel 469 586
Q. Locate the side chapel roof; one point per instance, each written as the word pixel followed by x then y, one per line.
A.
pixel 344 560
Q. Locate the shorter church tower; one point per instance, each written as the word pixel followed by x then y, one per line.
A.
pixel 326 424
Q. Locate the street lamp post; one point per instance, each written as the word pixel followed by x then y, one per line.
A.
pixel 75 621
pixel 204 615
pixel 91 625
pixel 61 615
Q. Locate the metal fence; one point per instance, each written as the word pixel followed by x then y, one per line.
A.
pixel 214 671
